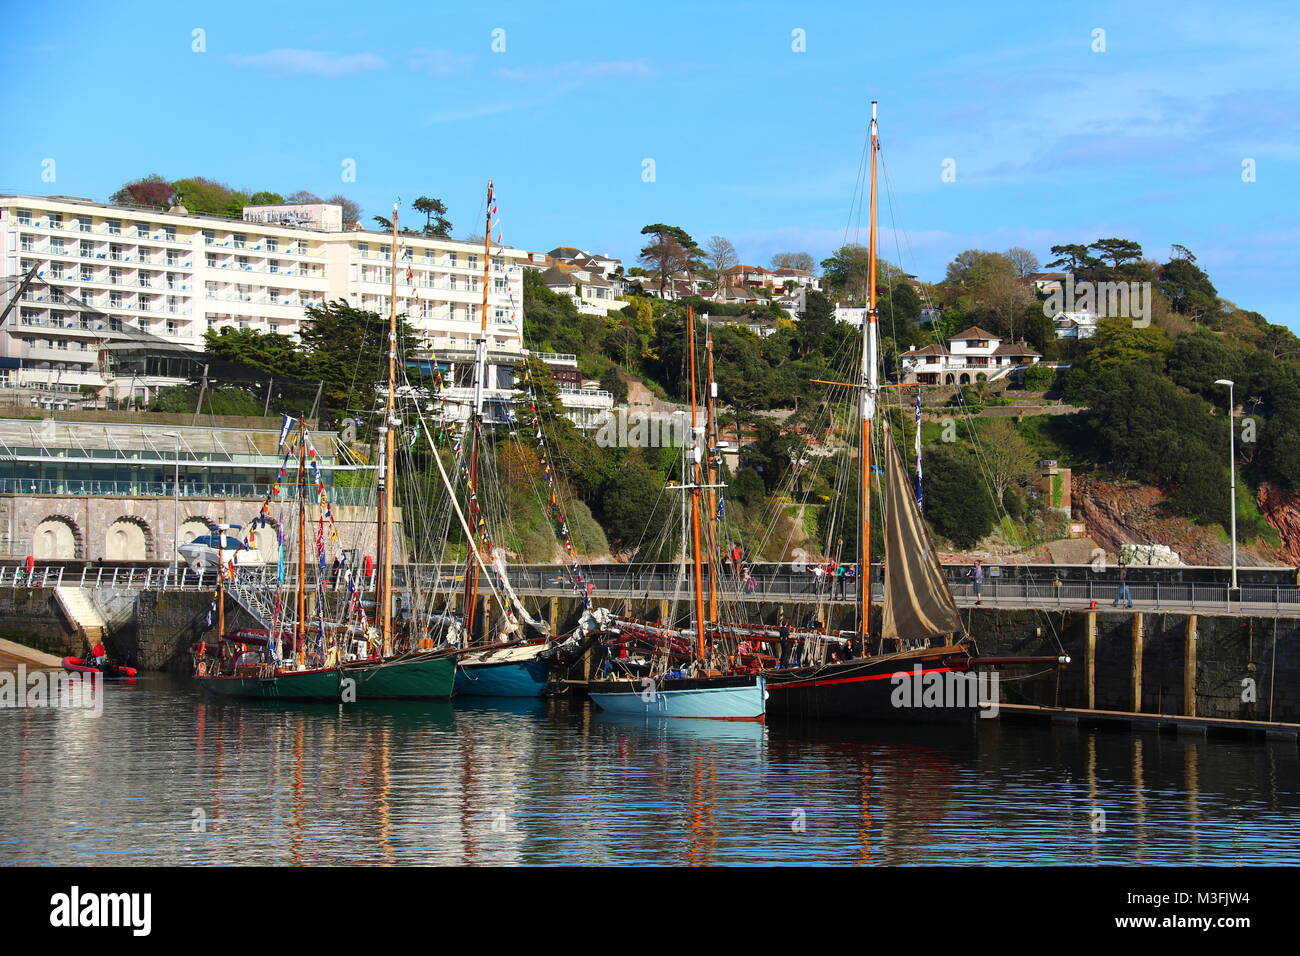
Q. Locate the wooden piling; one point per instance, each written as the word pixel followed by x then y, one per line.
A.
pixel 1189 666
pixel 1137 631
pixel 1090 659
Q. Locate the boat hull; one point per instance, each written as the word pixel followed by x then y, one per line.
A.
pixel 418 677
pixel 728 698
pixel 502 678
pixel 868 689
pixel 302 685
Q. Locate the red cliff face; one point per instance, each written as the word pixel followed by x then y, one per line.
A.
pixel 1281 508
pixel 1116 515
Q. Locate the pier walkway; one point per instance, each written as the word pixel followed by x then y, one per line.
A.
pixel 1180 590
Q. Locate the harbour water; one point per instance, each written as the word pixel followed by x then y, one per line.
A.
pixel 170 776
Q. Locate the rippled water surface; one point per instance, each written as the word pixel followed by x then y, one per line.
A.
pixel 168 775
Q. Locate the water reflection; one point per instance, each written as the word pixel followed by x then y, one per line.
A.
pixel 545 782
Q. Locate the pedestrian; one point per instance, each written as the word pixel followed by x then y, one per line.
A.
pixel 817 572
pixel 976 575
pixel 1122 593
pixel 735 558
pixel 748 582
pixel 840 573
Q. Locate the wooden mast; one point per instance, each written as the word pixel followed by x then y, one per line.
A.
pixel 695 491
pixel 710 448
pixel 300 628
pixel 476 417
pixel 870 385
pixel 386 505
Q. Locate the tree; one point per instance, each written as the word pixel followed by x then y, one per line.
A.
pixel 794 260
pixel 817 322
pixel 265 198
pixel 721 256
pixel 207 197
pixel 436 222
pixel 670 250
pixel 1117 252
pixel 957 503
pixel 303 197
pixel 265 351
pixel 351 209
pixel 974 268
pixel 347 350
pixel 151 190
pixel 1009 461
pixel 385 224
pixel 1188 287
pixel 1026 262
pixel 846 270
pixel 1074 258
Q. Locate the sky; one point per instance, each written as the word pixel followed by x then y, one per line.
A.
pixel 1163 122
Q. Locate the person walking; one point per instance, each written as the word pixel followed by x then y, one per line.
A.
pixel 748 582
pixel 783 638
pixel 840 572
pixel 976 575
pixel 736 555
pixel 1122 593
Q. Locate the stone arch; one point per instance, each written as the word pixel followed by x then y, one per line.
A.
pixel 965 379
pixel 129 538
pixel 949 380
pixel 57 537
pixel 266 539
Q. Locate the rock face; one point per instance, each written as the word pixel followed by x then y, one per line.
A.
pixel 1118 515
pixel 1281 508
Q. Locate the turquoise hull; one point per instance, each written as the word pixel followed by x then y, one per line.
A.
pixel 300 685
pixel 418 677
pixel 724 699
pixel 503 679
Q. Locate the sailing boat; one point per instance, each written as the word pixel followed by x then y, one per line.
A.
pixel 411 672
pixel 248 663
pixel 916 682
pixel 683 681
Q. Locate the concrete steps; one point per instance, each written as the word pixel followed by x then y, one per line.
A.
pixel 81 613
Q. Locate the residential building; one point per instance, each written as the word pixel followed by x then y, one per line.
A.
pixel 973 355
pixel 1075 325
pixel 589 290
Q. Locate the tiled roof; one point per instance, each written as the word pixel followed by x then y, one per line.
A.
pixel 975 332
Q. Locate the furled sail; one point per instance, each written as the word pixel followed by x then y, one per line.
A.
pixel 918 603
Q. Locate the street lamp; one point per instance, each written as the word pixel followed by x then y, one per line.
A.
pixel 176 501
pixel 1232 476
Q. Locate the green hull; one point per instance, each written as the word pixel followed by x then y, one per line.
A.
pixel 422 676
pixel 308 685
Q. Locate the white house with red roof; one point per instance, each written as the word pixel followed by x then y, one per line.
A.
pixel 972 355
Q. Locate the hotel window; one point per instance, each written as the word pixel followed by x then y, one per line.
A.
pixel 363 249
pixel 273 265
pixel 56 270
pixel 239 239
pixel 143 323
pixel 242 262
pixel 212 261
pixel 209 237
pixel 24 217
pixel 498 265
pixel 142 230
pixel 114 226
pixel 115 252
pixel 272 244
pixel 87 250
pixel 56 220
pixel 87 274
pixel 169 233
pixel 114 276
pixel 173 327
pixel 115 300
pixel 499 284
pixel 173 258
pixel 472 262
pixel 29 244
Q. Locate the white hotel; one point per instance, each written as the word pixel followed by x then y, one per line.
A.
pixel 162 279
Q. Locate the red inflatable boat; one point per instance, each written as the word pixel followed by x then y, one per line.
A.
pixel 110 669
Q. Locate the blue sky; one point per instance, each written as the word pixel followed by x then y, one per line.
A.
pixel 1052 142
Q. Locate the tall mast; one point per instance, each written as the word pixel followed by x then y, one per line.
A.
pixel 386 505
pixel 870 383
pixel 696 444
pixel 710 448
pixel 480 373
pixel 300 630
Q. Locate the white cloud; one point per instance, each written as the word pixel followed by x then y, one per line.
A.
pixel 442 63
pixel 575 70
pixel 310 62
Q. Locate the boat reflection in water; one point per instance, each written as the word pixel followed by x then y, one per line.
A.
pixel 208 781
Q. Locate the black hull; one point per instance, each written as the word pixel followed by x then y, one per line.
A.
pixel 863 690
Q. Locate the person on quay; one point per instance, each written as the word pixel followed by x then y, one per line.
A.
pixel 976 575
pixel 1122 592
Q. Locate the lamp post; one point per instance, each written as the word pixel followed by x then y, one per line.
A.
pixel 176 501
pixel 1232 477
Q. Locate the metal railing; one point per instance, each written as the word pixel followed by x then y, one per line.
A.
pixel 665 581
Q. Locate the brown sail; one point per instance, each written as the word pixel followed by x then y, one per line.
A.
pixel 918 603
